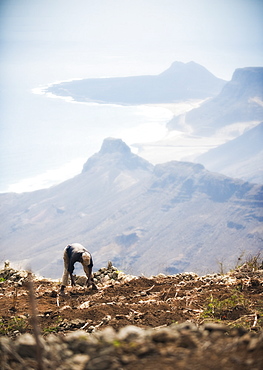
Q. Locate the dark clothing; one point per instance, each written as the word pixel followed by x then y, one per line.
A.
pixel 77 253
pixel 74 253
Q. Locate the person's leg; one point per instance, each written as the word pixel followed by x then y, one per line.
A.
pixel 65 276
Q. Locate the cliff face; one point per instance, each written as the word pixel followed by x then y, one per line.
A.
pixel 246 83
pixel 241 157
pixel 240 100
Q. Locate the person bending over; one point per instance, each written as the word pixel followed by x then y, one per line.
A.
pixel 77 253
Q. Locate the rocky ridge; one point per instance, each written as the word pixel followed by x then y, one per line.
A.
pixel 240 101
pixel 184 321
pixel 167 218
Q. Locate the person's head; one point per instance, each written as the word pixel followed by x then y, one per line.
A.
pixel 86 259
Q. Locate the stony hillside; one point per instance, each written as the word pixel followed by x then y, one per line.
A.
pixel 240 101
pixel 240 158
pixel 182 321
pixel 167 218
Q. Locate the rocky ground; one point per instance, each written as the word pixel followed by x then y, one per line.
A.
pixel 182 321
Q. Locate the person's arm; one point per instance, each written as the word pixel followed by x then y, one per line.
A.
pixel 88 272
pixel 70 270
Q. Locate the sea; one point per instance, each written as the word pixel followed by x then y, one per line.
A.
pixel 46 139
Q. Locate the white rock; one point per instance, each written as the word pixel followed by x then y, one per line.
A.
pixel 83 305
pixel 129 333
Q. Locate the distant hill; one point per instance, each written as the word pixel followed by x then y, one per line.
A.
pixel 182 81
pixel 241 157
pixel 146 219
pixel 241 100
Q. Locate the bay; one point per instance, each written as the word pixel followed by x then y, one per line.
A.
pixel 46 140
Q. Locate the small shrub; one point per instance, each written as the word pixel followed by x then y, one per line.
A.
pixel 51 329
pixel 223 309
pixel 16 323
pixel 54 329
pixel 253 262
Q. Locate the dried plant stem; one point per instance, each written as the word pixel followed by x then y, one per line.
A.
pixel 58 303
pixel 255 320
pixel 14 299
pixel 34 322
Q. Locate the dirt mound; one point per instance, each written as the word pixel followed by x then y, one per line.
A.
pixel 183 321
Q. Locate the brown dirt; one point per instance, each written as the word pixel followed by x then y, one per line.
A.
pixel 145 302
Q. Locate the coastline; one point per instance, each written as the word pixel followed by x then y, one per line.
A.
pixel 179 108
pixel 176 108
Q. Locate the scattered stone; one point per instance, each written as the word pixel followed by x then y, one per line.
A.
pixel 130 333
pixel 84 305
pixel 212 327
pixel 14 276
pixel 107 335
pixel 164 335
pixel 81 280
pixel 110 274
pixel 90 333
pixel 26 345
pixel 77 362
pixel 66 307
pixel 110 349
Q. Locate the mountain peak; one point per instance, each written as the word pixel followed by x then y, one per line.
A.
pixel 112 145
pixel 115 153
pixel 195 69
pixel 191 80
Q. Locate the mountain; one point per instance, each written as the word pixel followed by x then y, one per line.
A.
pixel 146 219
pixel 182 81
pixel 241 157
pixel 117 152
pixel 240 101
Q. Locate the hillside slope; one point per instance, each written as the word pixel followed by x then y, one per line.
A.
pixel 146 219
pixel 180 321
pixel 239 102
pixel 241 157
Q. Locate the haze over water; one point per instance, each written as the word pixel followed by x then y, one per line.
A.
pixel 66 135
pixel 45 141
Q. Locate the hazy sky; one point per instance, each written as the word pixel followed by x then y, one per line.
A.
pixel 58 39
pixel 43 41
